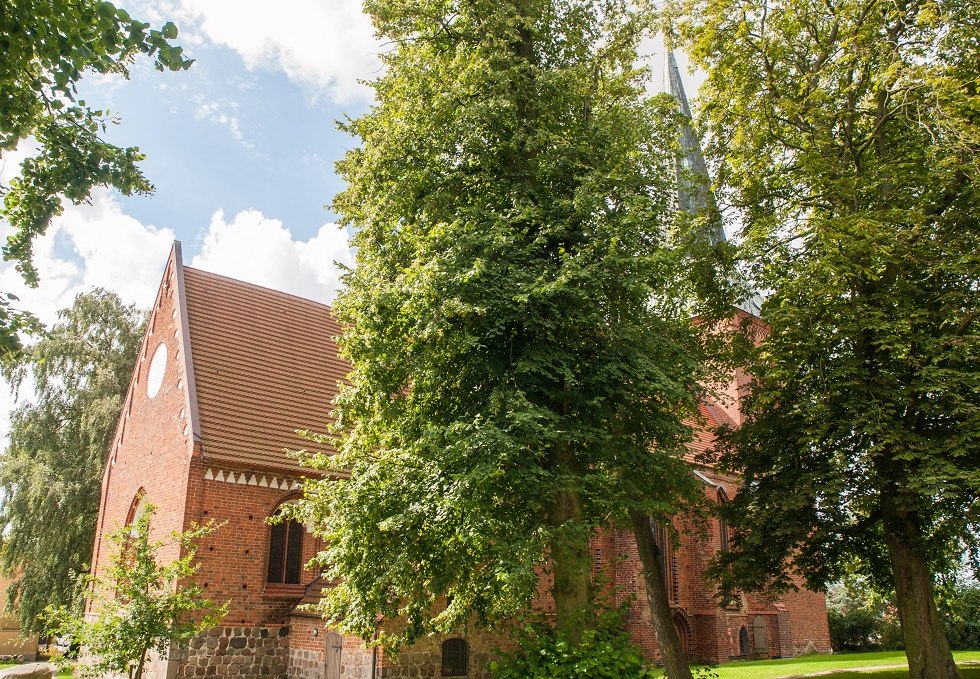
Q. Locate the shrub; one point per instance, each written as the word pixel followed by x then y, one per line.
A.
pixel 604 652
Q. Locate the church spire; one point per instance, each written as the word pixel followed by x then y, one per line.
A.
pixel 693 185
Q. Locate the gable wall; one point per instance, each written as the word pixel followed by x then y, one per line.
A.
pixel 153 444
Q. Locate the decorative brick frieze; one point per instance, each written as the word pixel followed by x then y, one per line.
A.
pixel 248 478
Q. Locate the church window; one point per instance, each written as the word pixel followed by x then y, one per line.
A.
pixel 723 535
pixel 455 658
pixel 286 552
pixel 661 538
pixel 158 367
pixel 136 507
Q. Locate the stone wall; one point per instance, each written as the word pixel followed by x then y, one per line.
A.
pixel 255 652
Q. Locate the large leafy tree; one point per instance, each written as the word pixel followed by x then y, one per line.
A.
pixel 46 46
pixel 847 134
pixel 51 471
pixel 522 359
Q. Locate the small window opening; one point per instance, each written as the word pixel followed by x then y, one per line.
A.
pixel 455 658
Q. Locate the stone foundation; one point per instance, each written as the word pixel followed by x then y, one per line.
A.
pixel 256 652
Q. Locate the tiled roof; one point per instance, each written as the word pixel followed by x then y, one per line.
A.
pixel 265 365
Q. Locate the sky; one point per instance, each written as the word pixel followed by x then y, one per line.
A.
pixel 241 149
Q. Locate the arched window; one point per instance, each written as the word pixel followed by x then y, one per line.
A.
pixel 286 552
pixel 136 507
pixel 743 642
pixel 455 658
pixel 723 537
pixel 661 538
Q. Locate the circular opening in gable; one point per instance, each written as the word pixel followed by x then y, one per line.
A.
pixel 158 366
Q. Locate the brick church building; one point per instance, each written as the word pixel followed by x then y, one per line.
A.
pixel 227 373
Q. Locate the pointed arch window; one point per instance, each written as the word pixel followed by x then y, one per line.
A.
pixel 285 552
pixel 136 507
pixel 661 538
pixel 723 533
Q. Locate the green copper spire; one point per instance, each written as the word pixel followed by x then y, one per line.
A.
pixel 693 184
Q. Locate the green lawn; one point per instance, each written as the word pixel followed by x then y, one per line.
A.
pixel 965 673
pixel 772 669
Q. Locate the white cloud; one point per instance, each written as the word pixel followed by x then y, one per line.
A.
pixel 327 45
pixel 260 250
pixel 94 244
pixel 217 112
pixel 98 244
pixel 89 245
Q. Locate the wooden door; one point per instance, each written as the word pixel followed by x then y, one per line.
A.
pixel 335 647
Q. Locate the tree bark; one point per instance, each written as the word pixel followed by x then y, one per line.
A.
pixel 571 582
pixel 675 662
pixel 139 667
pixel 926 646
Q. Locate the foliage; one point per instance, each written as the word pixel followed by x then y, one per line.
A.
pixel 604 652
pixel 847 139
pixel 518 321
pixel 860 619
pixel 961 615
pixel 139 605
pixel 45 48
pixel 51 471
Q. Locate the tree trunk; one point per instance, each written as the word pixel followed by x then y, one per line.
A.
pixel 926 646
pixel 675 662
pixel 139 666
pixel 571 585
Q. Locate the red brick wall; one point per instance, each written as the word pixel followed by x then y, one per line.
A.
pixel 153 444
pixel 234 559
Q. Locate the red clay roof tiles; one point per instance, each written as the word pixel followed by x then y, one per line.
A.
pixel 265 365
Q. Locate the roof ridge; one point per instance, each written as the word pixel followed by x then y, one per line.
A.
pixel 265 288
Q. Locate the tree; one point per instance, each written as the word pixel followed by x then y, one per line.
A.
pixel 139 605
pixel 51 471
pixel 45 48
pixel 847 141
pixel 518 322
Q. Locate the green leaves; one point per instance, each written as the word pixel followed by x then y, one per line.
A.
pixel 48 46
pixel 846 137
pixel 518 322
pixel 138 604
pixel 51 471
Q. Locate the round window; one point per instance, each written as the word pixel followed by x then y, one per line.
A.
pixel 158 366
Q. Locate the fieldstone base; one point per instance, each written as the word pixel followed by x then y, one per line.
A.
pixel 257 652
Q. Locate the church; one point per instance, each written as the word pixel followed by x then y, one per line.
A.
pixel 228 372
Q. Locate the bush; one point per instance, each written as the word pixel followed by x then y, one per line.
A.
pixel 605 652
pixel 864 629
pixel 861 619
pixel 961 617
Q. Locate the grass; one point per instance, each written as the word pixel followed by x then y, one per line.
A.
pixel 965 673
pixel 772 669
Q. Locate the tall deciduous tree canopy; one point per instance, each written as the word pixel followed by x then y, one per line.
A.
pixel 847 134
pixel 45 48
pixel 523 350
pixel 51 471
